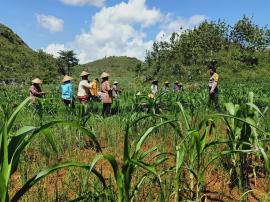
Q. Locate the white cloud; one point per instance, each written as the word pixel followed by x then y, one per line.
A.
pixel 53 49
pixel 121 30
pixel 97 3
pixel 171 24
pixel 52 23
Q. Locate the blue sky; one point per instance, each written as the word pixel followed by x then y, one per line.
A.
pixel 98 28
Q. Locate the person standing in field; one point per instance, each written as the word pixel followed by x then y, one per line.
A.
pixel 67 91
pixel 94 89
pixel 115 89
pixel 35 90
pixel 154 87
pixel 213 88
pixel 106 94
pixel 176 87
pixel 84 88
pixel 166 87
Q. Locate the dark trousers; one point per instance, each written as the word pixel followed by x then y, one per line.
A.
pixel 106 111
pixel 213 101
pixel 69 103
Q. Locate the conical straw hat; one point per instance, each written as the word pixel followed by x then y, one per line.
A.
pixel 115 82
pixel 104 75
pixel 84 73
pixel 37 81
pixel 67 78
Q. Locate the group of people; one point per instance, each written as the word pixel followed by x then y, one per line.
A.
pixel 89 90
pixel 86 91
pixel 166 87
pixel 212 87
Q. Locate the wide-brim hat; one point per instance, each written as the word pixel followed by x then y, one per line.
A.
pixel 84 73
pixel 115 82
pixel 166 82
pixel 104 75
pixel 37 81
pixel 67 78
pixel 176 82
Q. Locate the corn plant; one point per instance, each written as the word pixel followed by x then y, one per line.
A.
pixel 132 160
pixel 14 141
pixel 245 138
pixel 192 158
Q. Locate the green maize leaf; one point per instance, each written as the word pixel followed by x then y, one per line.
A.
pixel 137 186
pixel 147 133
pixel 266 159
pixel 15 113
pixel 145 154
pixel 145 166
pixel 117 174
pixel 51 141
pixel 184 115
pixel 23 130
pixel 239 119
pixel 49 171
pixel 180 153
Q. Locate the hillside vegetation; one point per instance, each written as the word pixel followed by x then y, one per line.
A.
pixel 19 63
pixel 240 52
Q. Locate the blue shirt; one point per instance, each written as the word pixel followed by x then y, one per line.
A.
pixel 67 91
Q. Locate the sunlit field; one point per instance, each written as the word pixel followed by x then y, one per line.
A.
pixel 169 148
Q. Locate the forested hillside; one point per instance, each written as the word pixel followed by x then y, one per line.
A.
pixel 19 63
pixel 240 52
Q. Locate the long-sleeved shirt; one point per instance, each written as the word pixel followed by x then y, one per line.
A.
pixel 84 89
pixel 105 92
pixel 115 91
pixel 67 91
pixel 35 91
pixel 154 89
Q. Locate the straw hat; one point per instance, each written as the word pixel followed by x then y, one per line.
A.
pixel 104 75
pixel 166 82
pixel 67 78
pixel 37 81
pixel 84 73
pixel 115 82
pixel 151 95
pixel 176 82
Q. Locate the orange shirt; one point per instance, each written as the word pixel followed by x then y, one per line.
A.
pixel 94 88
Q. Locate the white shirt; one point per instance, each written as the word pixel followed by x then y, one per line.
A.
pixel 84 88
pixel 154 89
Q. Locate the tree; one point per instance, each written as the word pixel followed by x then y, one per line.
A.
pixel 249 35
pixel 69 58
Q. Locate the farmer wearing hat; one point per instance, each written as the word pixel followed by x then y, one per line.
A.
pixel 213 88
pixel 154 87
pixel 115 89
pixel 84 88
pixel 177 87
pixel 106 94
pixel 94 89
pixel 166 87
pixel 67 91
pixel 35 90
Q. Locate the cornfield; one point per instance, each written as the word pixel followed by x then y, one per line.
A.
pixel 169 148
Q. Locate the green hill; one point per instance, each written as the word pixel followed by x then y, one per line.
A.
pixel 120 68
pixel 20 63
